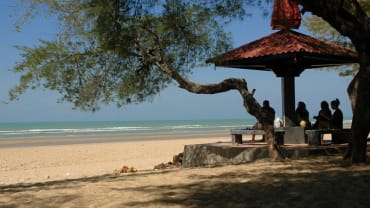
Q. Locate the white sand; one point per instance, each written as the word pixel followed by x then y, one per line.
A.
pixel 57 162
pixel 309 182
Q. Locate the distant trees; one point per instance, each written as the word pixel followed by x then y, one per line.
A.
pixel 323 30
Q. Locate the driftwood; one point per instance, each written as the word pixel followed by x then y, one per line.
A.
pixel 176 162
pixel 125 169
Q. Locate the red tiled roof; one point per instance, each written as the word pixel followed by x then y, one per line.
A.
pixel 287 41
pixel 281 48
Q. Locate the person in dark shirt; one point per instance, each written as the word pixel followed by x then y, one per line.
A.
pixel 303 116
pixel 270 112
pixel 323 119
pixel 337 118
pixel 336 122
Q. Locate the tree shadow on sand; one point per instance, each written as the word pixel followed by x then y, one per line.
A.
pixel 327 188
pixel 308 183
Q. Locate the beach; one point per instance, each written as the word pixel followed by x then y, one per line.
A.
pixel 82 174
pixel 67 161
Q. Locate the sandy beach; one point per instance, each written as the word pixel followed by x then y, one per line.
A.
pixel 81 175
pixel 45 161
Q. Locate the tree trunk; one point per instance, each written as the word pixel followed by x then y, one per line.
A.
pixel 274 151
pixel 350 20
pixel 359 94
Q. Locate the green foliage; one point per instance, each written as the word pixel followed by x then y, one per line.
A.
pixel 101 52
pixel 323 30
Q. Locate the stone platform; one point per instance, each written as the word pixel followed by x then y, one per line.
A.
pixel 224 153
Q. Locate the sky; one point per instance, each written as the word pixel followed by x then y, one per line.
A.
pixel 40 105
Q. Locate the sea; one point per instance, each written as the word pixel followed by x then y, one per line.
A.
pixel 111 128
pixel 30 130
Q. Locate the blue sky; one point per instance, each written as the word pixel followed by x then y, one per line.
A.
pixel 312 86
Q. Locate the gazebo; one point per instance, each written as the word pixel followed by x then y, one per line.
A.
pixel 286 53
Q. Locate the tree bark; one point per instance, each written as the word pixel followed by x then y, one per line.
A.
pixel 250 103
pixel 359 92
pixel 350 20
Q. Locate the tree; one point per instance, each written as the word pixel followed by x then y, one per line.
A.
pixel 349 18
pixel 128 51
pixel 323 30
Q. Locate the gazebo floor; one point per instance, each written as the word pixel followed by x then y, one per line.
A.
pixel 224 153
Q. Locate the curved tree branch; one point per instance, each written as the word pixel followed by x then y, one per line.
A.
pixel 250 103
pixel 238 84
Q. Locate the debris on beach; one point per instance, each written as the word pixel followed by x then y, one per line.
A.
pixel 125 169
pixel 176 163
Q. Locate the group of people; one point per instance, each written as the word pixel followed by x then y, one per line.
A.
pixel 325 118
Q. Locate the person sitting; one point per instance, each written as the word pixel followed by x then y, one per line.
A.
pixel 270 117
pixel 337 118
pixel 303 116
pixel 324 117
pixel 270 112
pixel 337 122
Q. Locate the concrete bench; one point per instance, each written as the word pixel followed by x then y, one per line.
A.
pixel 237 135
pixel 338 136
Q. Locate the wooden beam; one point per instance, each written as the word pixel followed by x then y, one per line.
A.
pixel 288 100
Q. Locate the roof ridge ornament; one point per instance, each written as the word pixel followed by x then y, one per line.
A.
pixel 285 15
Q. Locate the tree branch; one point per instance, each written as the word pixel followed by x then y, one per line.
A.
pixel 346 16
pixel 250 103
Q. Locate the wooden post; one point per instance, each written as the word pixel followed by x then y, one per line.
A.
pixel 237 139
pixel 288 99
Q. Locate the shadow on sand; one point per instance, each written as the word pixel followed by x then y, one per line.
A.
pixel 325 182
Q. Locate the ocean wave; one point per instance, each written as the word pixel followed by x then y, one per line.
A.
pixel 72 130
pixel 114 128
pixel 187 127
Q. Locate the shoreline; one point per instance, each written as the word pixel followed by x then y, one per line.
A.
pixel 109 138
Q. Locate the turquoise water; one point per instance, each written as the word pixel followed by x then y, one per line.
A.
pixel 37 129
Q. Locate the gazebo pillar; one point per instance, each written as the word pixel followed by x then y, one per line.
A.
pixel 288 100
